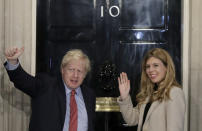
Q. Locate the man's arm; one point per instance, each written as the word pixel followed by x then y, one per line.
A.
pixel 21 79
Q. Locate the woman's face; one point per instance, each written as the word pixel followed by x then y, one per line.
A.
pixel 155 70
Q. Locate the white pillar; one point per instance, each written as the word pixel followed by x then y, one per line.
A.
pixel 195 65
pixel 186 57
pixel 17 28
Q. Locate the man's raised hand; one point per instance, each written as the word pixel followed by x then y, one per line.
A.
pixel 12 54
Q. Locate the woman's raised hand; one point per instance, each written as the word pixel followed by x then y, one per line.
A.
pixel 124 85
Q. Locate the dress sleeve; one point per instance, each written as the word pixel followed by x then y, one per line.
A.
pixel 129 113
pixel 175 110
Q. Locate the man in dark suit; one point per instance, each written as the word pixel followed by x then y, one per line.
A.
pixel 51 97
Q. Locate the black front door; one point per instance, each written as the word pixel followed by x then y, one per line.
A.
pixel 115 34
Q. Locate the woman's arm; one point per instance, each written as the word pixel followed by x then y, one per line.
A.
pixel 130 114
pixel 175 110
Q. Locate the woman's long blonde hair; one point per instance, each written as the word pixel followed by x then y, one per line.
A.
pixel 147 87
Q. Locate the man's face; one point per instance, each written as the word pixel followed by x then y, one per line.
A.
pixel 74 73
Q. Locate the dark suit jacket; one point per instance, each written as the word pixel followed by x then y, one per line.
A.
pixel 48 100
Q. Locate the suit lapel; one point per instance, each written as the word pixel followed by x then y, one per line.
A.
pixel 85 97
pixel 152 108
pixel 142 108
pixel 154 105
pixel 62 100
pixel 87 104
